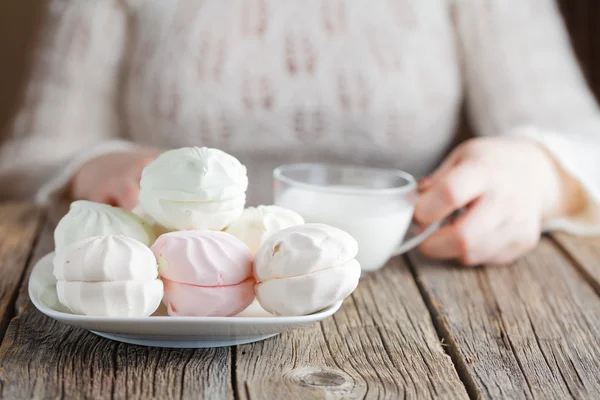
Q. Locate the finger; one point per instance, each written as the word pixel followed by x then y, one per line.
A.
pixel 442 245
pixel 515 248
pixel 461 185
pixel 491 241
pixel 139 167
pixel 128 196
pixel 467 238
pixel 426 183
pixel 448 242
pixel 105 198
pixel 449 162
pixel 102 195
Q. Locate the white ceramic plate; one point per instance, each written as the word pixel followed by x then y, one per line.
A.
pixel 159 330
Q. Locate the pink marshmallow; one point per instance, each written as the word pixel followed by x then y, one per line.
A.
pixel 202 258
pixel 201 301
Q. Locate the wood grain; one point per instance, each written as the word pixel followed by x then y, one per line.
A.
pixel 43 358
pixel 525 331
pixel 380 344
pixel 529 330
pixel 586 255
pixel 19 226
pixel 44 245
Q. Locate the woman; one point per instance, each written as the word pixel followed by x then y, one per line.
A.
pixel 377 83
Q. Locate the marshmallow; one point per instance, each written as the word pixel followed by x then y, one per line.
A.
pixel 303 249
pixel 194 188
pixel 200 268
pixel 202 215
pixel 202 258
pixel 306 268
pixel 208 301
pixel 105 258
pixel 257 224
pixel 306 294
pixel 111 299
pixel 157 228
pixel 86 219
pixel 110 276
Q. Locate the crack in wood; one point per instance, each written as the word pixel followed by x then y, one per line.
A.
pixel 539 305
pixel 247 391
pixel 582 263
pixel 115 369
pixel 233 375
pixel 562 375
pixel 358 370
pixel 183 370
pixel 484 283
pixel 444 333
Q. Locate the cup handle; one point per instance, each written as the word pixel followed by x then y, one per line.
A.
pixel 416 239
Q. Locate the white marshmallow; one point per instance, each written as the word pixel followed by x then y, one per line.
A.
pixel 257 224
pixel 157 228
pixel 112 276
pixel 86 219
pixel 105 258
pixel 111 299
pixel 306 294
pixel 303 249
pixel 305 268
pixel 185 188
pixel 199 215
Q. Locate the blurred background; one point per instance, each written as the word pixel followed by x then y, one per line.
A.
pixel 20 19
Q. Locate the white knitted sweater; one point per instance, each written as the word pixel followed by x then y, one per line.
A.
pixel 354 81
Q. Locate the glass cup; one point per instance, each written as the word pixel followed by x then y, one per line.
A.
pixel 373 205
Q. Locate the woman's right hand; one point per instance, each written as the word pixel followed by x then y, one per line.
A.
pixel 112 178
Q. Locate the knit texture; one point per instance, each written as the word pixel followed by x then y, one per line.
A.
pixel 348 81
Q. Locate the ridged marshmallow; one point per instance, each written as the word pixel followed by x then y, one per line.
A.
pixel 105 258
pixel 111 299
pixel 203 258
pixel 305 268
pixel 206 273
pixel 200 215
pixel 303 249
pixel 157 228
pixel 306 294
pixel 208 301
pixel 177 189
pixel 86 219
pixel 108 276
pixel 257 224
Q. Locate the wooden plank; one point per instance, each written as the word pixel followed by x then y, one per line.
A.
pixel 380 344
pixel 43 358
pixel 19 226
pixel 529 330
pixel 585 253
pixel 44 245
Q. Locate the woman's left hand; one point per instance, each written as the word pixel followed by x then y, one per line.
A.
pixel 508 185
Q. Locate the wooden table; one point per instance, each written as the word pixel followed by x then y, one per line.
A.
pixel 416 329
